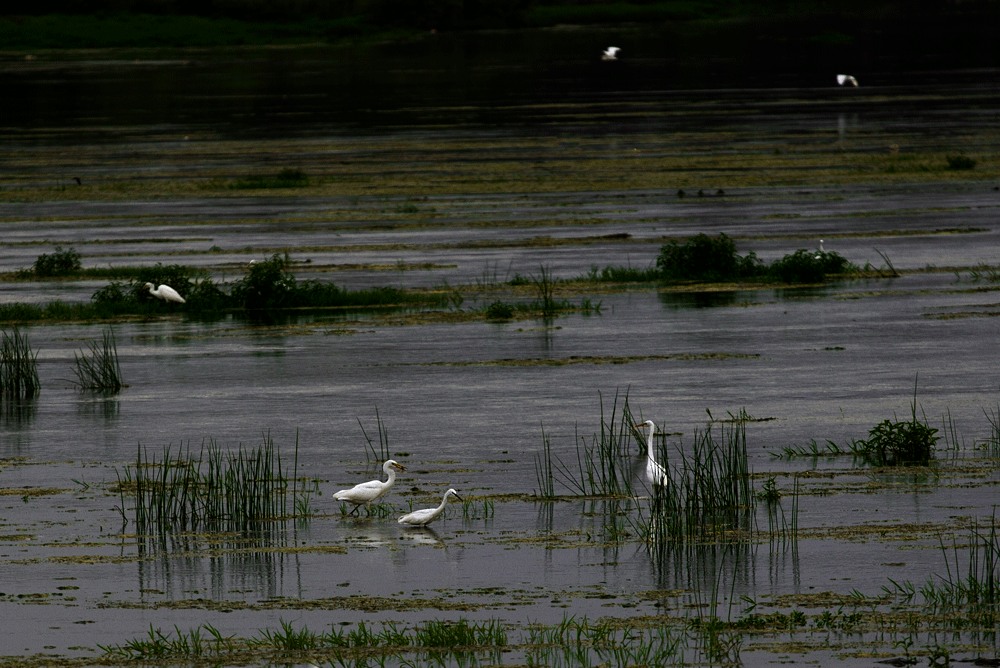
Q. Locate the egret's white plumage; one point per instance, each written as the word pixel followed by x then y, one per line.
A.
pixel 610 53
pixel 165 292
pixel 844 79
pixel 425 516
pixel 655 473
pixel 373 490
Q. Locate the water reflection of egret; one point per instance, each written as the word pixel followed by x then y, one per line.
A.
pixel 655 473
pixel 166 293
pixel 372 490
pixel 425 516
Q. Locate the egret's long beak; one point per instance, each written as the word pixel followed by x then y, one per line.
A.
pixel 640 425
pixel 399 466
pixel 458 497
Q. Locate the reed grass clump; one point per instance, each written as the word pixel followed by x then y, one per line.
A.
pixel 216 490
pixel 18 367
pixel 99 370
pixel 707 495
pixel 600 469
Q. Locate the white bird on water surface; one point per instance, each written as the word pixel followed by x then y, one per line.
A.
pixel 166 293
pixel 373 490
pixel 655 473
pixel 424 516
pixel 843 79
pixel 610 53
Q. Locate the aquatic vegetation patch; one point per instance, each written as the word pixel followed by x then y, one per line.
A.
pixel 214 490
pixel 99 370
pixel 606 359
pixel 18 367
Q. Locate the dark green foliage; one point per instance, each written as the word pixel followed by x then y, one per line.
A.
pixel 18 367
pixel 804 266
pixel 705 258
pixel 499 310
pixel 899 443
pixel 960 162
pixel 709 259
pixel 267 285
pixel 61 262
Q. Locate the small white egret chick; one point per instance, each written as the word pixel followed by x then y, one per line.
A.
pixel 655 473
pixel 610 53
pixel 423 517
pixel 843 79
pixel 373 490
pixel 166 293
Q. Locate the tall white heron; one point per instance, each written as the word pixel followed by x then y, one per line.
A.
pixel 424 516
pixel 373 490
pixel 166 293
pixel 656 474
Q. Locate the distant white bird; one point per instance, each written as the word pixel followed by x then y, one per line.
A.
pixel 423 517
pixel 819 253
pixel 373 490
pixel 166 293
pixel 655 473
pixel 610 53
pixel 846 79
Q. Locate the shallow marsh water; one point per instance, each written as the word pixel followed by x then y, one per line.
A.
pixel 466 403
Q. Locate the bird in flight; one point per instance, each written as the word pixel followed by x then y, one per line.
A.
pixel 844 79
pixel 610 53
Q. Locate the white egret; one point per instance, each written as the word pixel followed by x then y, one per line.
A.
pixel 610 53
pixel 423 517
pixel 819 253
pixel 843 79
pixel 373 490
pixel 166 293
pixel 655 473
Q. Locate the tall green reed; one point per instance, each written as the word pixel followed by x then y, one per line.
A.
pixel 18 367
pixel 708 494
pixel 600 468
pixel 216 490
pixel 382 453
pixel 99 370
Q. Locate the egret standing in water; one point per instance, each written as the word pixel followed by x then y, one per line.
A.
pixel 423 517
pixel 843 79
pixel 166 293
pixel 373 490
pixel 610 53
pixel 656 474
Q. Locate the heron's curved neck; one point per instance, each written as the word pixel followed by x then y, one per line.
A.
pixel 391 472
pixel 650 448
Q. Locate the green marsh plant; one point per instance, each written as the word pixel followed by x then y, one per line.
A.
pixel 99 370
pixel 708 495
pixel 217 490
pixel 18 367
pixel 600 469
